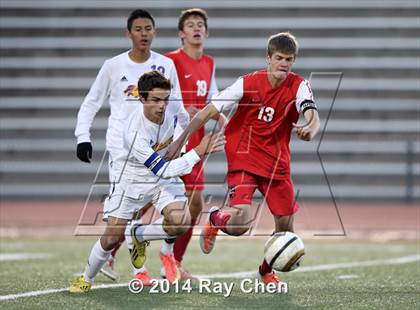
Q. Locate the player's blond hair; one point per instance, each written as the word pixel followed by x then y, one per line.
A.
pixel 283 42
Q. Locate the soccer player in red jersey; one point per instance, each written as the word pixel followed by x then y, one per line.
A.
pixel 268 104
pixel 195 72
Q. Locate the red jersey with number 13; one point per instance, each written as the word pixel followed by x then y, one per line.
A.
pixel 258 134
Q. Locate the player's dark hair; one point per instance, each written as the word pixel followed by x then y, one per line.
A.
pixel 283 42
pixel 151 80
pixel 191 12
pixel 139 14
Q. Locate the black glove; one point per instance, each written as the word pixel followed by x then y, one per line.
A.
pixel 84 151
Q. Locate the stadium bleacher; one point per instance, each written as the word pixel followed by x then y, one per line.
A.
pixel 52 50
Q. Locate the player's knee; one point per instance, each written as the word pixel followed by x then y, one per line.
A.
pixel 109 242
pixel 177 225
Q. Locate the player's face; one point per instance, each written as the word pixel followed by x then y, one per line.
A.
pixel 155 105
pixel 141 34
pixel 194 32
pixel 280 64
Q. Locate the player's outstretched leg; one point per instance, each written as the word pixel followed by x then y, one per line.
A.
pixel 138 252
pixel 175 221
pixel 235 222
pixel 217 220
pixel 138 273
pixel 265 273
pixel 195 203
pixel 180 247
pixel 99 254
pixel 109 268
pixel 170 268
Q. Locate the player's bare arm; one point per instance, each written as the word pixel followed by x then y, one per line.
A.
pixel 311 128
pixel 221 120
pixel 196 123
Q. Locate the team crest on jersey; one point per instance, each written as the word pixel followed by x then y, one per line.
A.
pixel 132 91
pixel 159 146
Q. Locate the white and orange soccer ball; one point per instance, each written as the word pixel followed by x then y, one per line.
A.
pixel 284 251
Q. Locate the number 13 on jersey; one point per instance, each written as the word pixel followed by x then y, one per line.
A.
pixel 266 114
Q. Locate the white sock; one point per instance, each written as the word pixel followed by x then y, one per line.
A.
pixel 128 239
pixel 97 258
pixel 127 233
pixel 167 248
pixel 152 231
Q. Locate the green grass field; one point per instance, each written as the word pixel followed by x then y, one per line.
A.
pixel 384 286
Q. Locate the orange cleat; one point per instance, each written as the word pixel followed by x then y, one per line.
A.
pixel 269 278
pixel 171 270
pixel 208 237
pixel 144 277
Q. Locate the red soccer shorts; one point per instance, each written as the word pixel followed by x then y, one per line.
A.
pixel 279 194
pixel 195 180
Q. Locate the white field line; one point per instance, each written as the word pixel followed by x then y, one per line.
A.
pixel 4 257
pixel 380 262
pixel 347 277
pixel 59 290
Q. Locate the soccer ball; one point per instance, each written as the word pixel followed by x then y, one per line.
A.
pixel 284 251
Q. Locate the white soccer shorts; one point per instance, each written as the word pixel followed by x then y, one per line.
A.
pixel 128 199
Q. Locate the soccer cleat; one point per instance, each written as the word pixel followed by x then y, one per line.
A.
pixel 172 273
pixel 108 269
pixel 138 252
pixel 208 235
pixel 80 285
pixel 270 277
pixel 185 274
pixel 144 277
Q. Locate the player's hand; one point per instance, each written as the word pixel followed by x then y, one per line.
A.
pixel 174 150
pixel 84 151
pixel 192 111
pixel 307 132
pixel 211 143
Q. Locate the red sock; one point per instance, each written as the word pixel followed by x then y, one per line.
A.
pixel 264 268
pixel 181 242
pixel 219 219
pixel 117 247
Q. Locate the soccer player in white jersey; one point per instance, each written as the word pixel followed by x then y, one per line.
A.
pixel 116 83
pixel 147 177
